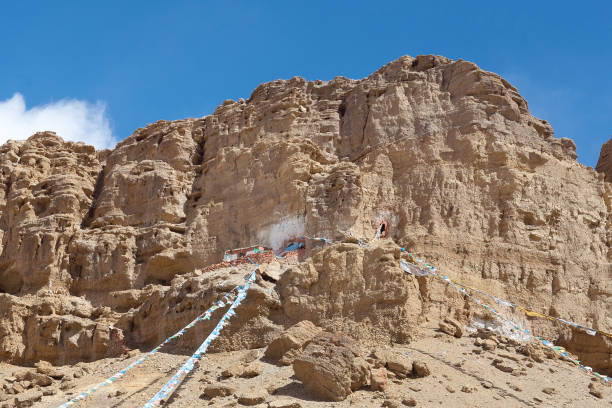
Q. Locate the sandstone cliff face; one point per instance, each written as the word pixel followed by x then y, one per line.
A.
pixel 444 151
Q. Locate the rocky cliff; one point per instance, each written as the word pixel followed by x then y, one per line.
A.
pixel 96 242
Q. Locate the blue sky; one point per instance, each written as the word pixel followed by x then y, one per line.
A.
pixel 123 64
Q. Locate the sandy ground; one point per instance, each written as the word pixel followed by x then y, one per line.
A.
pixel 459 378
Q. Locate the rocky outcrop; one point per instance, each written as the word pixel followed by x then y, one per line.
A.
pixel 56 329
pixel 360 291
pixel 48 186
pixel 445 153
pixel 604 163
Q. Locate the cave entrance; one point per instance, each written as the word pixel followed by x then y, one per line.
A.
pixel 382 229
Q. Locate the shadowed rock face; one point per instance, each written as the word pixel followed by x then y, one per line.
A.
pixel 445 152
pixel 604 164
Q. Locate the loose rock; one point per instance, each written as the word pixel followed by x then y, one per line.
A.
pixel 420 369
pixel 391 403
pixel 489 345
pixel 219 390
pixel 234 370
pixel 409 402
pixel 467 389
pixel 252 370
pixel 596 390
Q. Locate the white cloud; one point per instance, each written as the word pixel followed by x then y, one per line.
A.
pixel 71 119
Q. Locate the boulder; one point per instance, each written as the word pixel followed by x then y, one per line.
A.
pixel 331 367
pixel 42 380
pixel 399 364
pixel 294 338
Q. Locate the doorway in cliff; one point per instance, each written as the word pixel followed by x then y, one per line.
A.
pixel 382 229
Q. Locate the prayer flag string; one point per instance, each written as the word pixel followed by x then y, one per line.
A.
pixel 176 379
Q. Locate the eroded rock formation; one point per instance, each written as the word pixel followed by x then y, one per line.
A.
pixel 446 153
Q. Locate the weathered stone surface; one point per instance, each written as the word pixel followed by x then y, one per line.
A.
pixel 294 337
pixel 331 367
pixel 447 153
